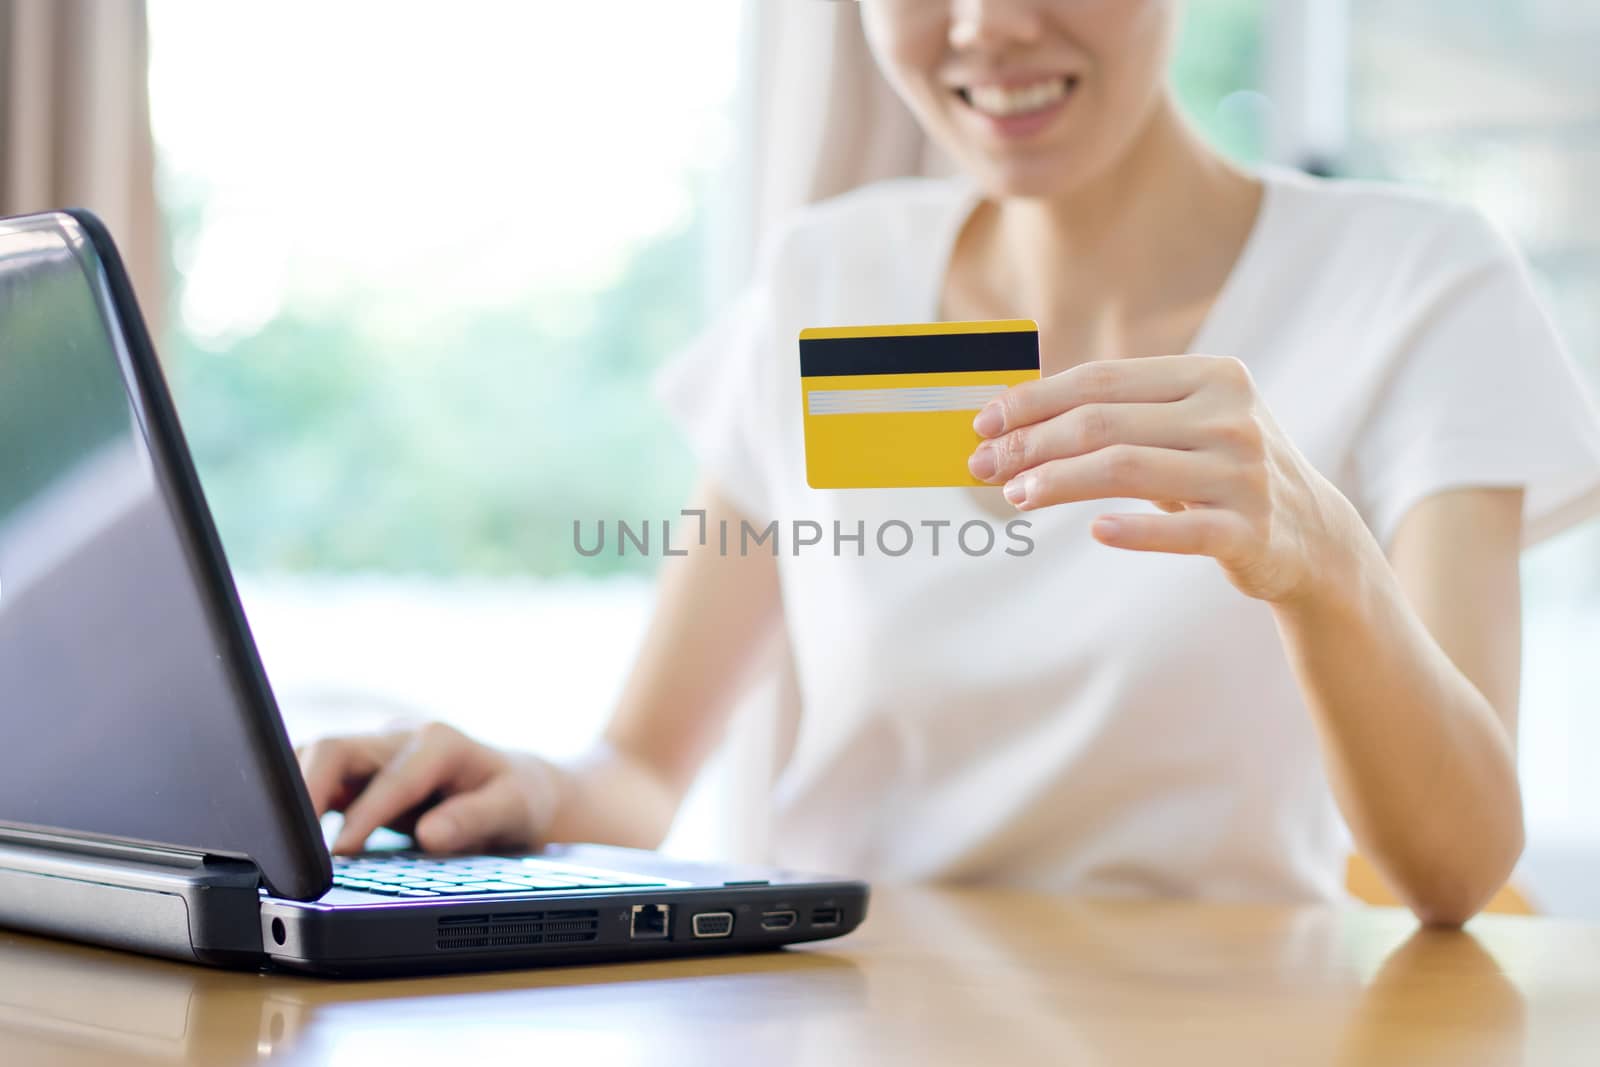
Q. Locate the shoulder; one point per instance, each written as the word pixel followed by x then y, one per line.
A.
pixel 1392 232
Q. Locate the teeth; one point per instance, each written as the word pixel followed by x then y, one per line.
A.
pixel 999 102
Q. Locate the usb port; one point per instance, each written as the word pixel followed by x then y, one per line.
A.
pixel 713 924
pixel 825 917
pixel 778 920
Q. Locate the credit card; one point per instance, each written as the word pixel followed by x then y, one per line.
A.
pixel 891 407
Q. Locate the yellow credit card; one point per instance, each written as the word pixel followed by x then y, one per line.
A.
pixel 891 407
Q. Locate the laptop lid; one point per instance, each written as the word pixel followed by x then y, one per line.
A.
pixel 133 706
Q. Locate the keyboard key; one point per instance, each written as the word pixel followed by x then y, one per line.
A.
pixel 412 874
pixel 496 887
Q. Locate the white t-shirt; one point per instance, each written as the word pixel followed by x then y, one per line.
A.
pixel 1078 717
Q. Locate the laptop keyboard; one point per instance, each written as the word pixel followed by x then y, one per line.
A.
pixel 408 874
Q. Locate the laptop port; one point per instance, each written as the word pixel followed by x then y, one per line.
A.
pixel 713 924
pixel 650 922
pixel 778 920
pixel 825 917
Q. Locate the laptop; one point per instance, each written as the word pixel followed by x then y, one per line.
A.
pixel 149 797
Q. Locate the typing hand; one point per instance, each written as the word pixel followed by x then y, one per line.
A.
pixel 449 792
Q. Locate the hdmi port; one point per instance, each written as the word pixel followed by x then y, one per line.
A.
pixel 778 920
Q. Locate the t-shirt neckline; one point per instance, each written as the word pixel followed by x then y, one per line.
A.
pixel 1208 338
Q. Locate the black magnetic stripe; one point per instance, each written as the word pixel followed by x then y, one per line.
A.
pixel 929 354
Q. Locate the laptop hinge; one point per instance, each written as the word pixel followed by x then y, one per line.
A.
pixel 161 855
pixel 167 902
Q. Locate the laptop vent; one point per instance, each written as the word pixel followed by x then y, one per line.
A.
pixel 516 929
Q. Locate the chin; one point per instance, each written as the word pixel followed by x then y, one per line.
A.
pixel 1042 178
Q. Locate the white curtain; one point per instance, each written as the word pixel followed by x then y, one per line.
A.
pixel 820 119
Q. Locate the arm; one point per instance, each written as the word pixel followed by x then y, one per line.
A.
pixel 1409 669
pixel 1411 674
pixel 712 615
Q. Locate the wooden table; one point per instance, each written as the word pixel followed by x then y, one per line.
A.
pixel 934 977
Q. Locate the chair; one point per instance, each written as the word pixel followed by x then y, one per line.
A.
pixel 1367 886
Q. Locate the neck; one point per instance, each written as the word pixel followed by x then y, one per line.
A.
pixel 1148 241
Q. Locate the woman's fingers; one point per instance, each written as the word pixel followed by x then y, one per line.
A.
pixel 1193 532
pixel 496 816
pixel 427 764
pixel 450 791
pixel 1147 380
pixel 1079 432
pixel 336 769
pixel 1133 471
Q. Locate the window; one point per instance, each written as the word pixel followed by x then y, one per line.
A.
pixel 1498 105
pixel 425 261
pixel 1218 74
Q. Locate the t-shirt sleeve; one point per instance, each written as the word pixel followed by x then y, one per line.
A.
pixel 717 391
pixel 1483 395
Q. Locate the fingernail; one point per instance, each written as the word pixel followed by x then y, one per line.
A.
pixel 990 421
pixel 1016 490
pixel 982 463
pixel 1106 527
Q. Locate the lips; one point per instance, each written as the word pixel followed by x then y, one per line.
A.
pixel 1002 101
pixel 1019 110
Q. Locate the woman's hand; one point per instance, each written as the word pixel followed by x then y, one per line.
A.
pixel 1189 433
pixel 449 792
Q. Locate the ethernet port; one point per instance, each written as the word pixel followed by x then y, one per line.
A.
pixel 650 922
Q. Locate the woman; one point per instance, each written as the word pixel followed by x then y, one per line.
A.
pixel 1343 402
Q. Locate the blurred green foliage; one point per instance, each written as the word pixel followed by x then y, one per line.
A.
pixel 469 446
pixel 472 445
pixel 1217 73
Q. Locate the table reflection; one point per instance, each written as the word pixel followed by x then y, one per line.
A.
pixel 1131 982
pixel 933 977
pixel 1452 1000
pixel 66 1004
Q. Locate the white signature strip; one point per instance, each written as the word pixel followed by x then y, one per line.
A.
pixel 862 401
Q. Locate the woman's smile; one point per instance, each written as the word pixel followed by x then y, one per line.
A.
pixel 1018 108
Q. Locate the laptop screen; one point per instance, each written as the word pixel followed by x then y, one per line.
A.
pixel 127 708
